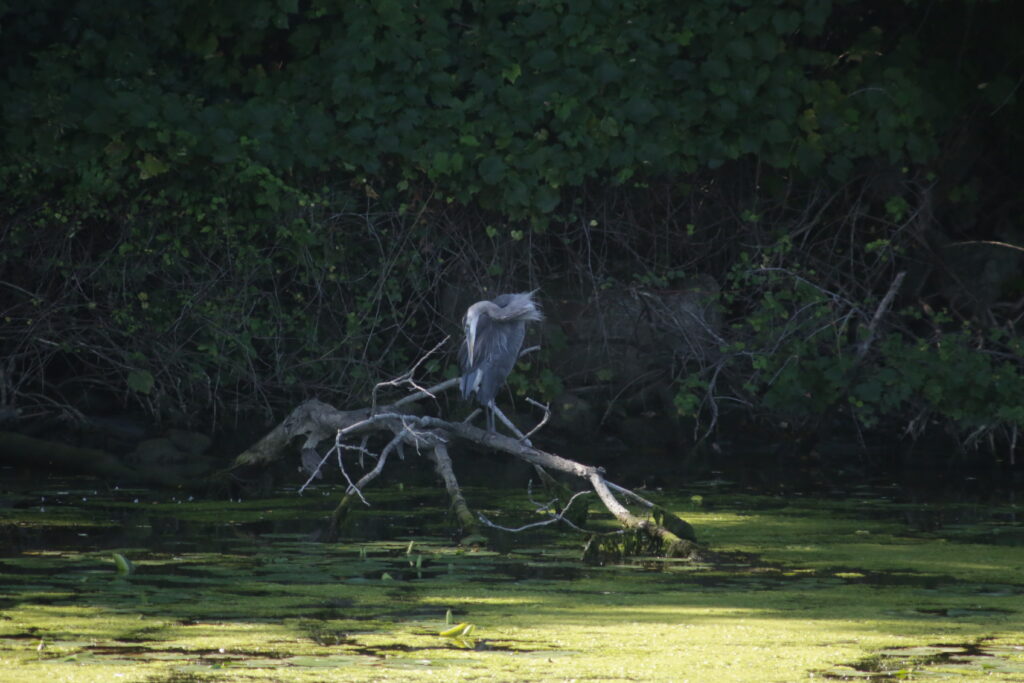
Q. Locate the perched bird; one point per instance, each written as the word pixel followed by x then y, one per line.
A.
pixel 494 337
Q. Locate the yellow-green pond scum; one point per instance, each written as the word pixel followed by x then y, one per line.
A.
pixel 849 588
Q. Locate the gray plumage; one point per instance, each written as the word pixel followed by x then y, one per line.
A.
pixel 494 336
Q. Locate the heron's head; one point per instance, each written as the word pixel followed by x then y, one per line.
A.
pixel 469 326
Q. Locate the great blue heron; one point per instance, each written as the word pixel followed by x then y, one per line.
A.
pixel 494 336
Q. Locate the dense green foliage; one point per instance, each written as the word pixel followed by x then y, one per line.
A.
pixel 234 204
pixel 495 102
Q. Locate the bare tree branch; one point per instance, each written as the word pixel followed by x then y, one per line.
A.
pixel 314 420
pixel 407 377
pixel 559 517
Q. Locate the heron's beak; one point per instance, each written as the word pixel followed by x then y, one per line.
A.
pixel 471 339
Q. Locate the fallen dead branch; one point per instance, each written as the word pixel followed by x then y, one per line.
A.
pixel 347 431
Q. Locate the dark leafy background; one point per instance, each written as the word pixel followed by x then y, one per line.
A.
pixel 213 209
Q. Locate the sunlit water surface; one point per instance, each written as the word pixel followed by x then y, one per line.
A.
pixel 99 584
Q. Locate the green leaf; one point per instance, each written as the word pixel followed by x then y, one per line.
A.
pixel 641 110
pixel 442 162
pixel 741 49
pixel 492 170
pixel 123 564
pixel 547 199
pixel 511 73
pixel 897 207
pixel 140 381
pixel 459 630
pixel 151 167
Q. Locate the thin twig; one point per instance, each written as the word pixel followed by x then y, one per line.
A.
pixel 351 486
pixel 544 420
pixel 879 314
pixel 989 242
pixel 538 506
pixel 559 517
pixel 407 377
pixel 374 473
pixel 316 472
pixel 424 393
pixel 833 295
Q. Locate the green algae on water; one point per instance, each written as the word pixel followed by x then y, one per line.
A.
pixel 795 588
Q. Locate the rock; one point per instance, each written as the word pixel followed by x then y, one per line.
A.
pixel 192 443
pixel 121 427
pixel 178 449
pixel 163 458
pixel 158 451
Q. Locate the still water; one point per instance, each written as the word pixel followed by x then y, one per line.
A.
pixel 868 582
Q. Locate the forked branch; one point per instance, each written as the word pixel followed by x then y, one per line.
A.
pixel 349 432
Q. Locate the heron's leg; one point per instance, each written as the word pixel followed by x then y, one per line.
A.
pixel 491 410
pixel 508 423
